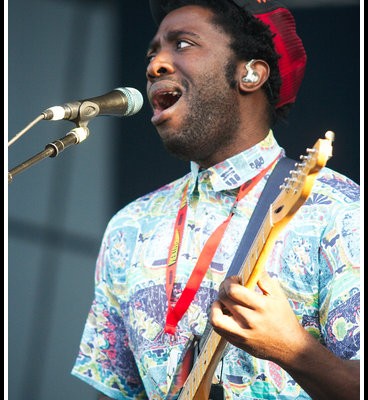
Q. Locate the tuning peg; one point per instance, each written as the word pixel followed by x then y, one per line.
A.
pixel 330 135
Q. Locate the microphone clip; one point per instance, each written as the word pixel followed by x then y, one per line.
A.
pixel 79 112
pixel 87 111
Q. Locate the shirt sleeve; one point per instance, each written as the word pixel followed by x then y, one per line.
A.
pixel 105 360
pixel 340 283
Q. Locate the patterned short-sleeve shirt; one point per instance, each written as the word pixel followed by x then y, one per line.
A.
pixel 124 351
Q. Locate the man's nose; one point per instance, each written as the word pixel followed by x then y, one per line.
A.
pixel 159 65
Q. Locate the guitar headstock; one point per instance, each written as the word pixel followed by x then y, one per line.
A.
pixel 298 185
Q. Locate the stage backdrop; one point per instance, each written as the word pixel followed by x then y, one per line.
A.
pixel 60 51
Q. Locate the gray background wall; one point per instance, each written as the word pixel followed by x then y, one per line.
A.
pixel 60 51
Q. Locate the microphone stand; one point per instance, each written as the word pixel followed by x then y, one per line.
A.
pixel 53 149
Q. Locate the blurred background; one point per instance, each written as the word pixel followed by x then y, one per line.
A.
pixel 63 50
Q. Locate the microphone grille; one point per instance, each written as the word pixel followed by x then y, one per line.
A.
pixel 135 100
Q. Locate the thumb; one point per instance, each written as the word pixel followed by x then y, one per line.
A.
pixel 269 285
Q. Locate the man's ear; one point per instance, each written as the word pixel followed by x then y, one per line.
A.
pixel 252 75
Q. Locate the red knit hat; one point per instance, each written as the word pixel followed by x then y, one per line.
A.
pixel 288 44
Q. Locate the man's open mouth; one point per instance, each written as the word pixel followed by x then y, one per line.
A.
pixel 164 99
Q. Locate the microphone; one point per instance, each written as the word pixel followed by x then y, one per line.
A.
pixel 120 102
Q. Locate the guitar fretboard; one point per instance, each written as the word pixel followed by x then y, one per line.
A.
pixel 214 345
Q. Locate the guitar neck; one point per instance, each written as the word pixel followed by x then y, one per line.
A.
pixel 198 383
pixel 251 267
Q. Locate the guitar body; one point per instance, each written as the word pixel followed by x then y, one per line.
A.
pixel 294 192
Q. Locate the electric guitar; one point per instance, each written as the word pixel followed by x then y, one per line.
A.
pixel 295 190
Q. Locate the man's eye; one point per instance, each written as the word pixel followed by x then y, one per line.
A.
pixel 181 44
pixel 149 58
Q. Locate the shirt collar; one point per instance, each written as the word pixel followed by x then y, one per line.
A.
pixel 236 170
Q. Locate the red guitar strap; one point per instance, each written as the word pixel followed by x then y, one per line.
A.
pixel 175 312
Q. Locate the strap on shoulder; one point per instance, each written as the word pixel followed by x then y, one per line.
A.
pixel 269 194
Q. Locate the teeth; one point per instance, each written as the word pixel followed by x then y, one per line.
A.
pixel 177 94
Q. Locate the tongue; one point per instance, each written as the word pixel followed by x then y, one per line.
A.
pixel 166 101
